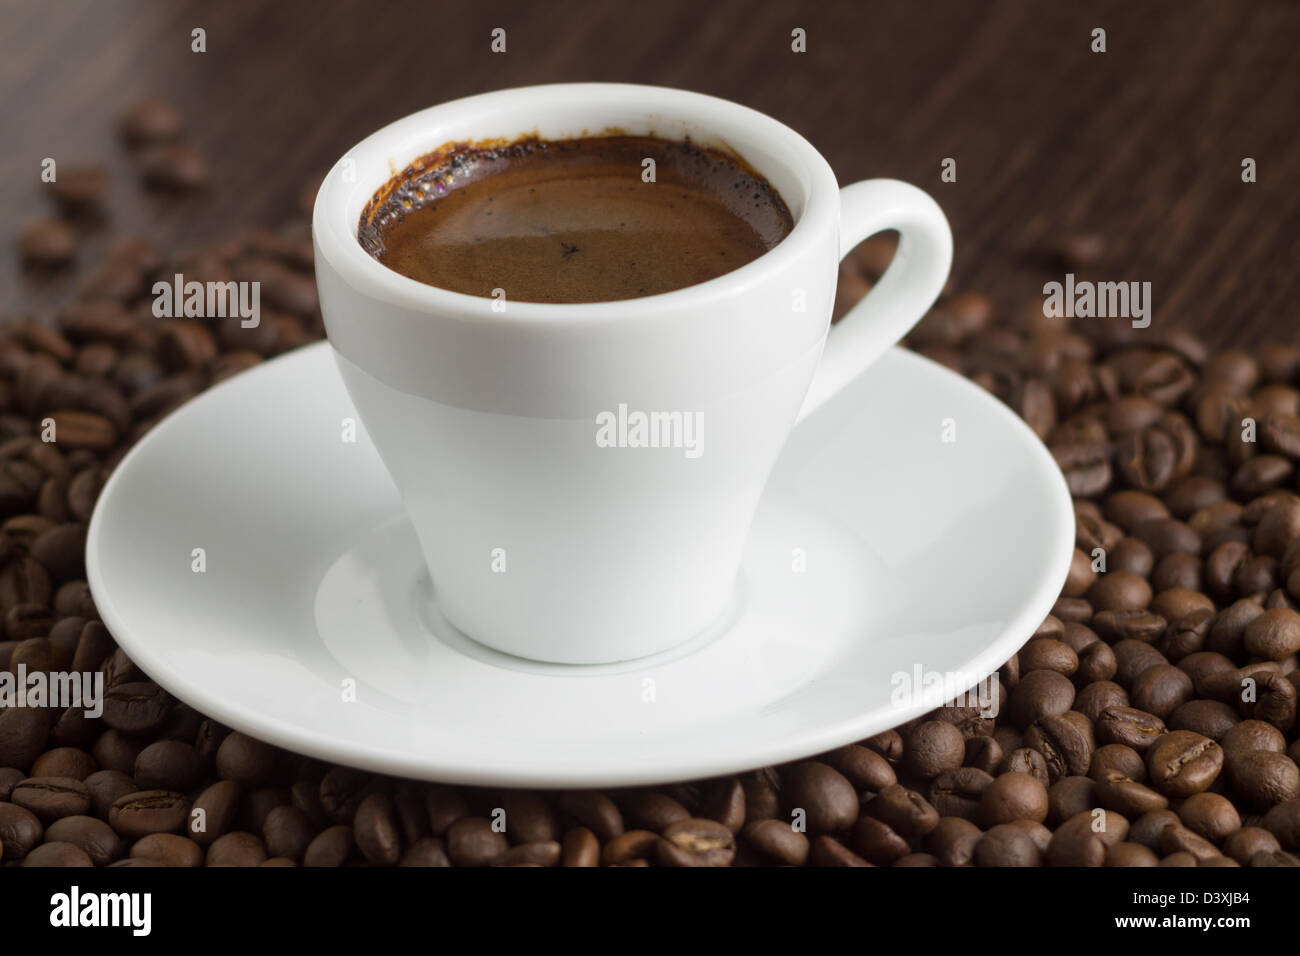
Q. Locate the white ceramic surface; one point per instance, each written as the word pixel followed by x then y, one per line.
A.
pixel 919 553
pixel 487 419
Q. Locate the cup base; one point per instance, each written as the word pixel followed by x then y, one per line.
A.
pixel 439 627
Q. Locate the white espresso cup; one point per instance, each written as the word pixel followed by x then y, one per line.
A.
pixel 582 477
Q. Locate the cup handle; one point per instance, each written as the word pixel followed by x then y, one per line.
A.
pixel 904 293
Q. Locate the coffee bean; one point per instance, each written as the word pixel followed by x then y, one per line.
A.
pixel 1069 796
pixel 23 731
pixel 643 809
pixel 1263 778
pixel 148 811
pixel 168 765
pixel 1160 689
pixel 826 798
pixel 1066 744
pixel 580 848
pixel 95 837
pixel 593 810
pixel 151 120
pixel 64 762
pixel 1182 763
pixel 866 769
pixel 904 810
pixel 472 841
pixel 168 849
pixel 428 851
pixel 1283 821
pixel 1040 693
pixel 1013 796
pixel 246 761
pixel 1129 726
pixel 1243 844
pixel 778 841
pixel 829 852
pixel 330 847
pixel 20 831
pixel 236 849
pixel 1119 792
pixel 174 166
pixel 932 748
pixel 47 243
pixel 135 707
pixel 957 793
pixel 105 787
pixel 52 798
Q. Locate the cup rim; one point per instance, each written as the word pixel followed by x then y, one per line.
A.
pixel 336 240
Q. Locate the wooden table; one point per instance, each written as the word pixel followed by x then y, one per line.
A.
pixel 1143 143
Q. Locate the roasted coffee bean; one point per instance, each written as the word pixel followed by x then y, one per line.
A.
pixel 375 830
pixel 957 793
pixel 168 765
pixel 428 851
pixel 236 849
pixel 1066 744
pixel 1160 689
pixel 932 748
pixel 151 120
pixel 64 762
pixel 695 842
pixel 330 847
pixel 1182 763
pixel 135 708
pixel 52 798
pixel 1117 791
pixel 246 761
pixel 174 166
pixel 1027 761
pixel 1243 844
pixel 906 811
pixel 826 798
pixel 866 769
pixel 20 831
pixel 168 849
pixel 1130 854
pixel 590 809
pixel 473 841
pixel 877 843
pixel 95 837
pixel 1283 821
pixel 529 818
pixel 1013 796
pixel 1210 718
pixel 149 811
pixel 1070 796
pixel 1139 625
pixel 724 801
pixel 1129 726
pixel 1263 778
pixel 778 841
pixel 1040 693
pixel 827 851
pixel 643 809
pixel 1118 757
pixel 105 787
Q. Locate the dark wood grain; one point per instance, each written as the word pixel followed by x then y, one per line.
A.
pixel 1142 144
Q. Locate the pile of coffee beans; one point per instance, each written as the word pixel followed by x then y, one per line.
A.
pixel 1150 719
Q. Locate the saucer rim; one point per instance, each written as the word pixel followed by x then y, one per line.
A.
pixel 801 744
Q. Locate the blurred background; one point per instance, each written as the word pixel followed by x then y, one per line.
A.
pixel 1141 145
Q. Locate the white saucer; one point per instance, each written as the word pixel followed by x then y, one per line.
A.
pixel 920 554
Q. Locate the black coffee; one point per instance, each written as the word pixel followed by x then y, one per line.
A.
pixel 583 220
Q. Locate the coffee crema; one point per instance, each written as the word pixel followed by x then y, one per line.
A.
pixel 576 220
